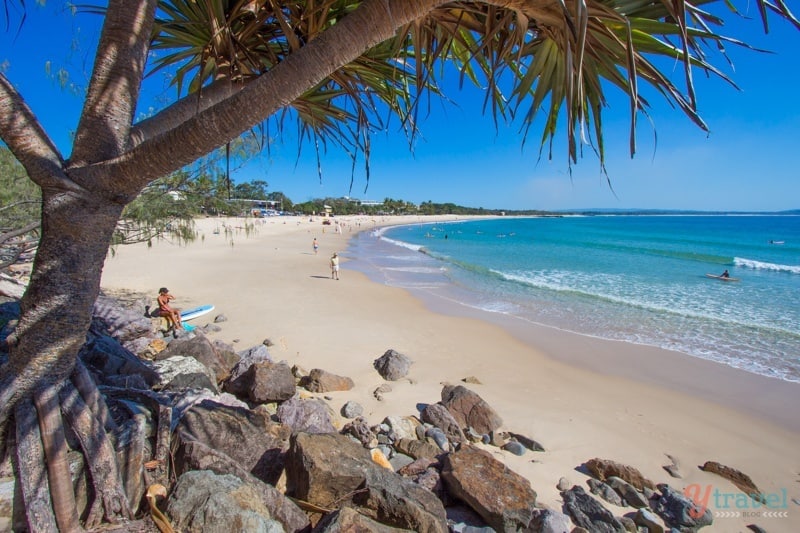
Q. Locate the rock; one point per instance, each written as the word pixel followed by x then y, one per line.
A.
pixel 179 372
pixel 672 468
pixel 258 444
pixel 204 351
pixel 588 513
pixel 379 458
pixel 679 511
pixel 347 520
pixel 352 409
pixel 400 460
pixel 417 467
pixel 438 437
pixel 563 484
pixel 645 518
pixel 381 390
pixel 247 358
pixel 392 365
pixel 502 497
pixel 438 415
pixel 220 318
pixel 306 415
pixel 329 470
pixel 514 447
pixel 740 479
pixel 194 455
pixel 529 443
pixel 469 409
pixel 205 502
pixel 417 448
pixel 605 491
pixel 319 380
pixel 550 521
pixel 602 469
pixel 110 358
pixel 472 380
pixel 122 323
pixel 359 429
pixel 401 427
pixel 264 382
pixel 632 497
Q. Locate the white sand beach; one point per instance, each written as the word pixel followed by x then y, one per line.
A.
pixel 579 397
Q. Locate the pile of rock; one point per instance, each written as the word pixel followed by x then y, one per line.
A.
pixel 255 443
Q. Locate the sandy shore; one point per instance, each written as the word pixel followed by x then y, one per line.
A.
pixel 580 397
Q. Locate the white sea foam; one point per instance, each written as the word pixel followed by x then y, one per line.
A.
pixel 761 265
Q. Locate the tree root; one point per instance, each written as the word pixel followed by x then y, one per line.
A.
pixel 48 495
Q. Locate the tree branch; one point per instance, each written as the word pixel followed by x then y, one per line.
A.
pixel 121 58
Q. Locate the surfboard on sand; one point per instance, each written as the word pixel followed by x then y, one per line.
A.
pixel 195 312
pixel 721 278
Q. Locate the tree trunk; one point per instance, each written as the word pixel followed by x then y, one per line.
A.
pixel 57 306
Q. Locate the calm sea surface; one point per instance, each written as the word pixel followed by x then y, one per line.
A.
pixel 639 279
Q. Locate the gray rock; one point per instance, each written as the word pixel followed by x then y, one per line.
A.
pixel 529 443
pixel 392 365
pixel 110 358
pixel 401 427
pixel 469 409
pixel 606 491
pixel 205 502
pixel 514 447
pixel 588 513
pixel 220 318
pixel 306 415
pixel 645 518
pixel 359 429
pixel 439 438
pixel 179 372
pixel 438 415
pixel 633 497
pixel 679 511
pixel 352 409
pixel 264 382
pixel 504 499
pixel 205 352
pixel 247 358
pixel 550 521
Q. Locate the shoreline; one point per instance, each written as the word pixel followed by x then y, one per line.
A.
pixel 582 397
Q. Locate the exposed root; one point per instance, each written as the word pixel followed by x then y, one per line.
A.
pixel 33 477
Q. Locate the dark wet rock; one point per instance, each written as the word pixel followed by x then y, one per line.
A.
pixel 602 469
pixel 309 415
pixel 319 380
pixel 502 497
pixel 679 511
pixel 105 355
pixel 588 513
pixel 469 409
pixel 392 365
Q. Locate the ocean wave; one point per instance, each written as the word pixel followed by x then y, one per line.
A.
pixel 403 244
pixel 762 265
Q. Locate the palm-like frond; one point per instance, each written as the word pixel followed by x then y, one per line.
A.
pixel 530 57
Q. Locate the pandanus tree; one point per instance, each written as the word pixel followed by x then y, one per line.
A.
pixel 337 67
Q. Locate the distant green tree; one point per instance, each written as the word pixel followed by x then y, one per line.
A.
pixel 251 190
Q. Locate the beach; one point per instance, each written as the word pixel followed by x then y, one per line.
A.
pixel 580 397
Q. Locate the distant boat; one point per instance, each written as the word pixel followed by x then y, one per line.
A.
pixel 777 242
pixel 721 278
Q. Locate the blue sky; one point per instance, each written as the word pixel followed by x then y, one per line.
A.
pixel 747 162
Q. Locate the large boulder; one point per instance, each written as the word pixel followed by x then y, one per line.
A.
pixel 319 380
pixel 470 410
pixel 200 348
pixel 680 512
pixel 255 442
pixel 109 358
pixel 438 415
pixel 179 372
pixel 588 513
pixel 264 382
pixel 308 415
pixel 500 496
pixel 392 365
pixel 204 502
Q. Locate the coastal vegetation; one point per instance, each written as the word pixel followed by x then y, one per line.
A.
pixel 337 69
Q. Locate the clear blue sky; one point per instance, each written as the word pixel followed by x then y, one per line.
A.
pixel 747 162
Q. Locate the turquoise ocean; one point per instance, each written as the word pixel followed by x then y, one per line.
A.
pixel 633 278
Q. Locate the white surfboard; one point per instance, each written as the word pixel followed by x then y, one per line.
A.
pixel 195 312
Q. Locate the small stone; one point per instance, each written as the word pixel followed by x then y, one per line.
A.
pixel 352 410
pixel 514 447
pixel 563 484
pixel 268 342
pixel 220 318
pixel 472 380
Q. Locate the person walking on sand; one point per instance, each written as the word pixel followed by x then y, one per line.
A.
pixel 315 244
pixel 172 315
pixel 334 266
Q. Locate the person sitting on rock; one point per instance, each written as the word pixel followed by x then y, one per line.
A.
pixel 172 315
